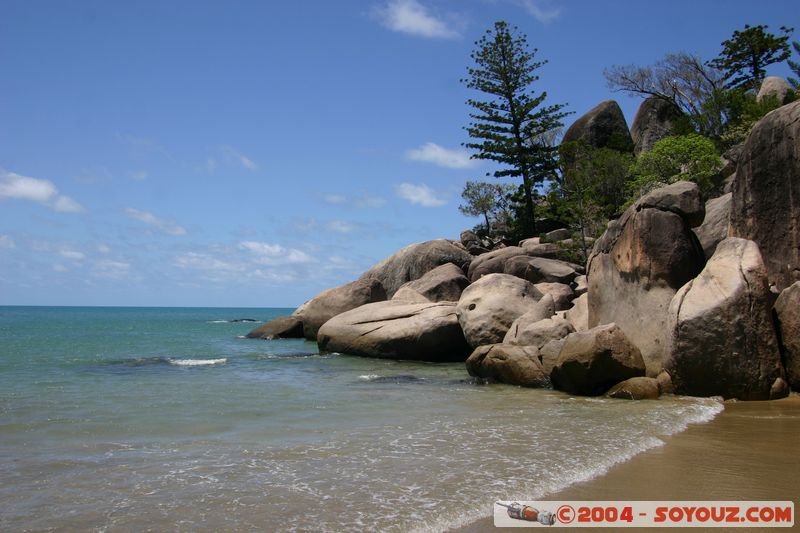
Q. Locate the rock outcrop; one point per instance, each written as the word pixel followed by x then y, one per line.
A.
pixel 515 365
pixel 654 120
pixel 774 86
pixel 327 304
pixel 787 313
pixel 604 126
pixel 396 330
pixel 493 262
pixel 284 327
pixel 641 261
pixel 538 333
pixel 562 294
pixel 715 225
pixel 578 314
pixel 591 362
pixel 414 261
pixel 540 269
pixel 766 193
pixel 490 305
pixel 721 338
pixel 442 284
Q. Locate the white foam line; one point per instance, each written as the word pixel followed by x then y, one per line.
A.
pixel 197 362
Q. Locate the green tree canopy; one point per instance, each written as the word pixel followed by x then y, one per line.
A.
pixel 685 157
pixel 489 200
pixel 747 53
pixel 795 66
pixel 510 124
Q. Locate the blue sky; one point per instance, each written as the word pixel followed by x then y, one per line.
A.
pixel 250 153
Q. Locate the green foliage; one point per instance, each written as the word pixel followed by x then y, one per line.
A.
pixel 510 126
pixel 489 200
pixel 743 110
pixel 686 157
pixel 747 53
pixel 795 67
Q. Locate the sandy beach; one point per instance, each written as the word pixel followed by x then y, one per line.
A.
pixel 748 452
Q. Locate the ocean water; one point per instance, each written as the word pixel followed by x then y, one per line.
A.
pixel 137 419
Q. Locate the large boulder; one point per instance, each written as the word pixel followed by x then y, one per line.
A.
pixel 492 262
pixel 773 86
pixel 560 234
pixel 329 303
pixel 562 294
pixel 490 305
pixel 766 193
pixel 396 330
pixel 721 338
pixel 654 120
pixel 442 284
pixel 604 126
pixel 715 226
pixel 473 244
pixel 284 327
pixel 540 269
pixel 414 261
pixel 591 362
pixel 539 333
pixel 787 312
pixel 534 248
pixel 641 261
pixel 578 314
pixel 515 365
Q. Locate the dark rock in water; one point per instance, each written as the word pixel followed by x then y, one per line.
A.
pixel 490 305
pixel 397 379
pixel 397 330
pixel 766 194
pixel 593 361
pixel 414 261
pixel 654 120
pixel 721 339
pixel 285 327
pixel 442 284
pixel 787 312
pixel 515 365
pixel 641 261
pixel 635 389
pixel 602 127
pixel 714 228
pixel 236 320
pixel 327 304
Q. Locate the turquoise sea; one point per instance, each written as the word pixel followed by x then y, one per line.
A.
pixel 166 419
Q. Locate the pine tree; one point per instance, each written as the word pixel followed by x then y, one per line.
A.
pixel 795 66
pixel 747 53
pixel 510 127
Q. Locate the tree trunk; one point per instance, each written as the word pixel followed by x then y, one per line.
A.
pixel 530 218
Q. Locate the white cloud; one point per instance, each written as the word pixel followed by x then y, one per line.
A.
pixel 335 199
pixel 542 10
pixel 411 17
pixel 236 156
pixel 443 157
pixel 60 268
pixel 275 254
pixel 339 226
pixel 7 243
pixel 73 255
pixel 362 201
pixel 17 187
pixel 166 226
pixel 419 194
pixel 103 249
pixel 112 269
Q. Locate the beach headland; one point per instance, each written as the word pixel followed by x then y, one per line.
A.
pixel 743 454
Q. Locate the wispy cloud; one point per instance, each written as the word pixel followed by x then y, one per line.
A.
pixel 361 201
pixel 440 156
pixel 235 156
pixel 274 254
pixel 411 17
pixel 72 255
pixel 7 243
pixel 143 144
pixel 419 194
pixel 111 269
pixel 138 175
pixel 17 187
pixel 165 226
pixel 542 10
pixel 339 226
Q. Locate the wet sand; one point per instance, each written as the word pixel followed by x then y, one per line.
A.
pixel 750 451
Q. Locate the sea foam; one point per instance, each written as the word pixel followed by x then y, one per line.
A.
pixel 197 362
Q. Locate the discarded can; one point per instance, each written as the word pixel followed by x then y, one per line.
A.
pixel 518 511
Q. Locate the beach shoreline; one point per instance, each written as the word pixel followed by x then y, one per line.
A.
pixel 744 453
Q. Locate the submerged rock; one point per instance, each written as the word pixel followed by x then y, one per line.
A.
pixel 721 339
pixel 397 330
pixel 285 327
pixel 640 388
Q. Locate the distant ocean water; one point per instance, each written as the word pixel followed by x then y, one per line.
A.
pixel 134 419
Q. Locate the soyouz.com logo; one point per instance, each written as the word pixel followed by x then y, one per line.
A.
pixel 619 514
